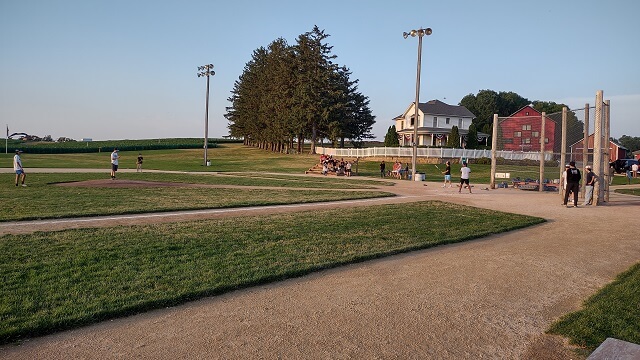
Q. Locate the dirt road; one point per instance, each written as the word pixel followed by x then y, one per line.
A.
pixel 489 298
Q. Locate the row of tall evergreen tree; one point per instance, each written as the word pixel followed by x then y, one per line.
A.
pixel 287 94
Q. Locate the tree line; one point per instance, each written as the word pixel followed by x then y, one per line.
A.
pixel 289 94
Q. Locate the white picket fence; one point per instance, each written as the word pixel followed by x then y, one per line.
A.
pixel 442 153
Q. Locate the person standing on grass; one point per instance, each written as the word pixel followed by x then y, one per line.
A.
pixel 590 179
pixel 573 184
pixel 634 169
pixel 17 167
pixel 464 177
pixel 114 163
pixel 139 163
pixel 382 167
pixel 447 174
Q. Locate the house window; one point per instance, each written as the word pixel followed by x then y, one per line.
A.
pixel 535 134
pixel 435 121
pixel 412 121
pixel 460 123
pixel 526 113
pixel 526 141
pixel 526 127
pixel 546 140
pixel 447 121
pixel 517 134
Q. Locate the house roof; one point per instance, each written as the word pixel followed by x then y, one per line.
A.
pixel 530 106
pixel 589 140
pixel 437 107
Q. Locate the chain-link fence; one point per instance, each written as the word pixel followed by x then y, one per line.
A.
pixel 530 149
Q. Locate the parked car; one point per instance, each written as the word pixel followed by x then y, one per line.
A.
pixel 622 165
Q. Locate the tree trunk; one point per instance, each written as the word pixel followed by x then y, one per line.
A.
pixel 314 135
pixel 300 142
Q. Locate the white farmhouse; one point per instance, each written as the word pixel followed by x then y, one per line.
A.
pixel 435 120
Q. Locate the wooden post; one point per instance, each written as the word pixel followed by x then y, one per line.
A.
pixel 542 148
pixel 585 143
pixel 494 150
pixel 607 154
pixel 563 151
pixel 598 195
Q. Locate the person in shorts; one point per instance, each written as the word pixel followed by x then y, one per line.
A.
pixel 139 163
pixel 447 174
pixel 114 163
pixel 464 177
pixel 17 167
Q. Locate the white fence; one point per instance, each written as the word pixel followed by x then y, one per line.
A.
pixel 443 153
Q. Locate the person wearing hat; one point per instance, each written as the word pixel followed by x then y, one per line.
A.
pixel 573 184
pixel 590 179
pixel 17 167
pixel 114 163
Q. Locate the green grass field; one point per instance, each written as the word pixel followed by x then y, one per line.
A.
pixel 59 280
pixel 44 200
pixel 613 312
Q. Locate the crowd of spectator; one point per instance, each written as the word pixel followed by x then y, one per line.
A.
pixel 329 164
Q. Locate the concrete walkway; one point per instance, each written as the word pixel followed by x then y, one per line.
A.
pixel 489 298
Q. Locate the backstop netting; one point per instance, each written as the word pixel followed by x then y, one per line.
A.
pixel 531 149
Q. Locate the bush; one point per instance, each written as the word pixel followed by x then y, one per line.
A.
pixel 483 161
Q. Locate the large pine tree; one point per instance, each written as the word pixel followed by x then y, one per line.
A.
pixel 472 138
pixel 453 141
pixel 298 92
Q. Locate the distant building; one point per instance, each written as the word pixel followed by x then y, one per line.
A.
pixel 616 151
pixel 435 121
pixel 521 131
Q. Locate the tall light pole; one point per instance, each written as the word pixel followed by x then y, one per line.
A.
pixel 206 70
pixel 419 33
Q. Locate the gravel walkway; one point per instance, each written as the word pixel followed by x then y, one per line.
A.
pixel 489 298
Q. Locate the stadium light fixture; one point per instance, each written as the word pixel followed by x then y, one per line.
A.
pixel 419 33
pixel 206 70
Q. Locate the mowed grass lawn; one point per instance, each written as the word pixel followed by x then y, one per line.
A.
pixel 42 199
pixel 59 280
pixel 613 312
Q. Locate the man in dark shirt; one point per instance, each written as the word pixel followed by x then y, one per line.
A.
pixel 590 179
pixel 573 184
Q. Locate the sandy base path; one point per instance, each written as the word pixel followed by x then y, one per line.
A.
pixel 489 298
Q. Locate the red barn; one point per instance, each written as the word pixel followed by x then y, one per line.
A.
pixel 521 131
pixel 616 151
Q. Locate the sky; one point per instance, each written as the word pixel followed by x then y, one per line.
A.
pixel 122 69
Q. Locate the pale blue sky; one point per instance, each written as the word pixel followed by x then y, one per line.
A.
pixel 126 69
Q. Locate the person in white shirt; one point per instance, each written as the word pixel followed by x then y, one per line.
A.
pixel 464 177
pixel 17 167
pixel 114 163
pixel 634 169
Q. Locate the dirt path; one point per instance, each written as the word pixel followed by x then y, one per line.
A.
pixel 489 298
